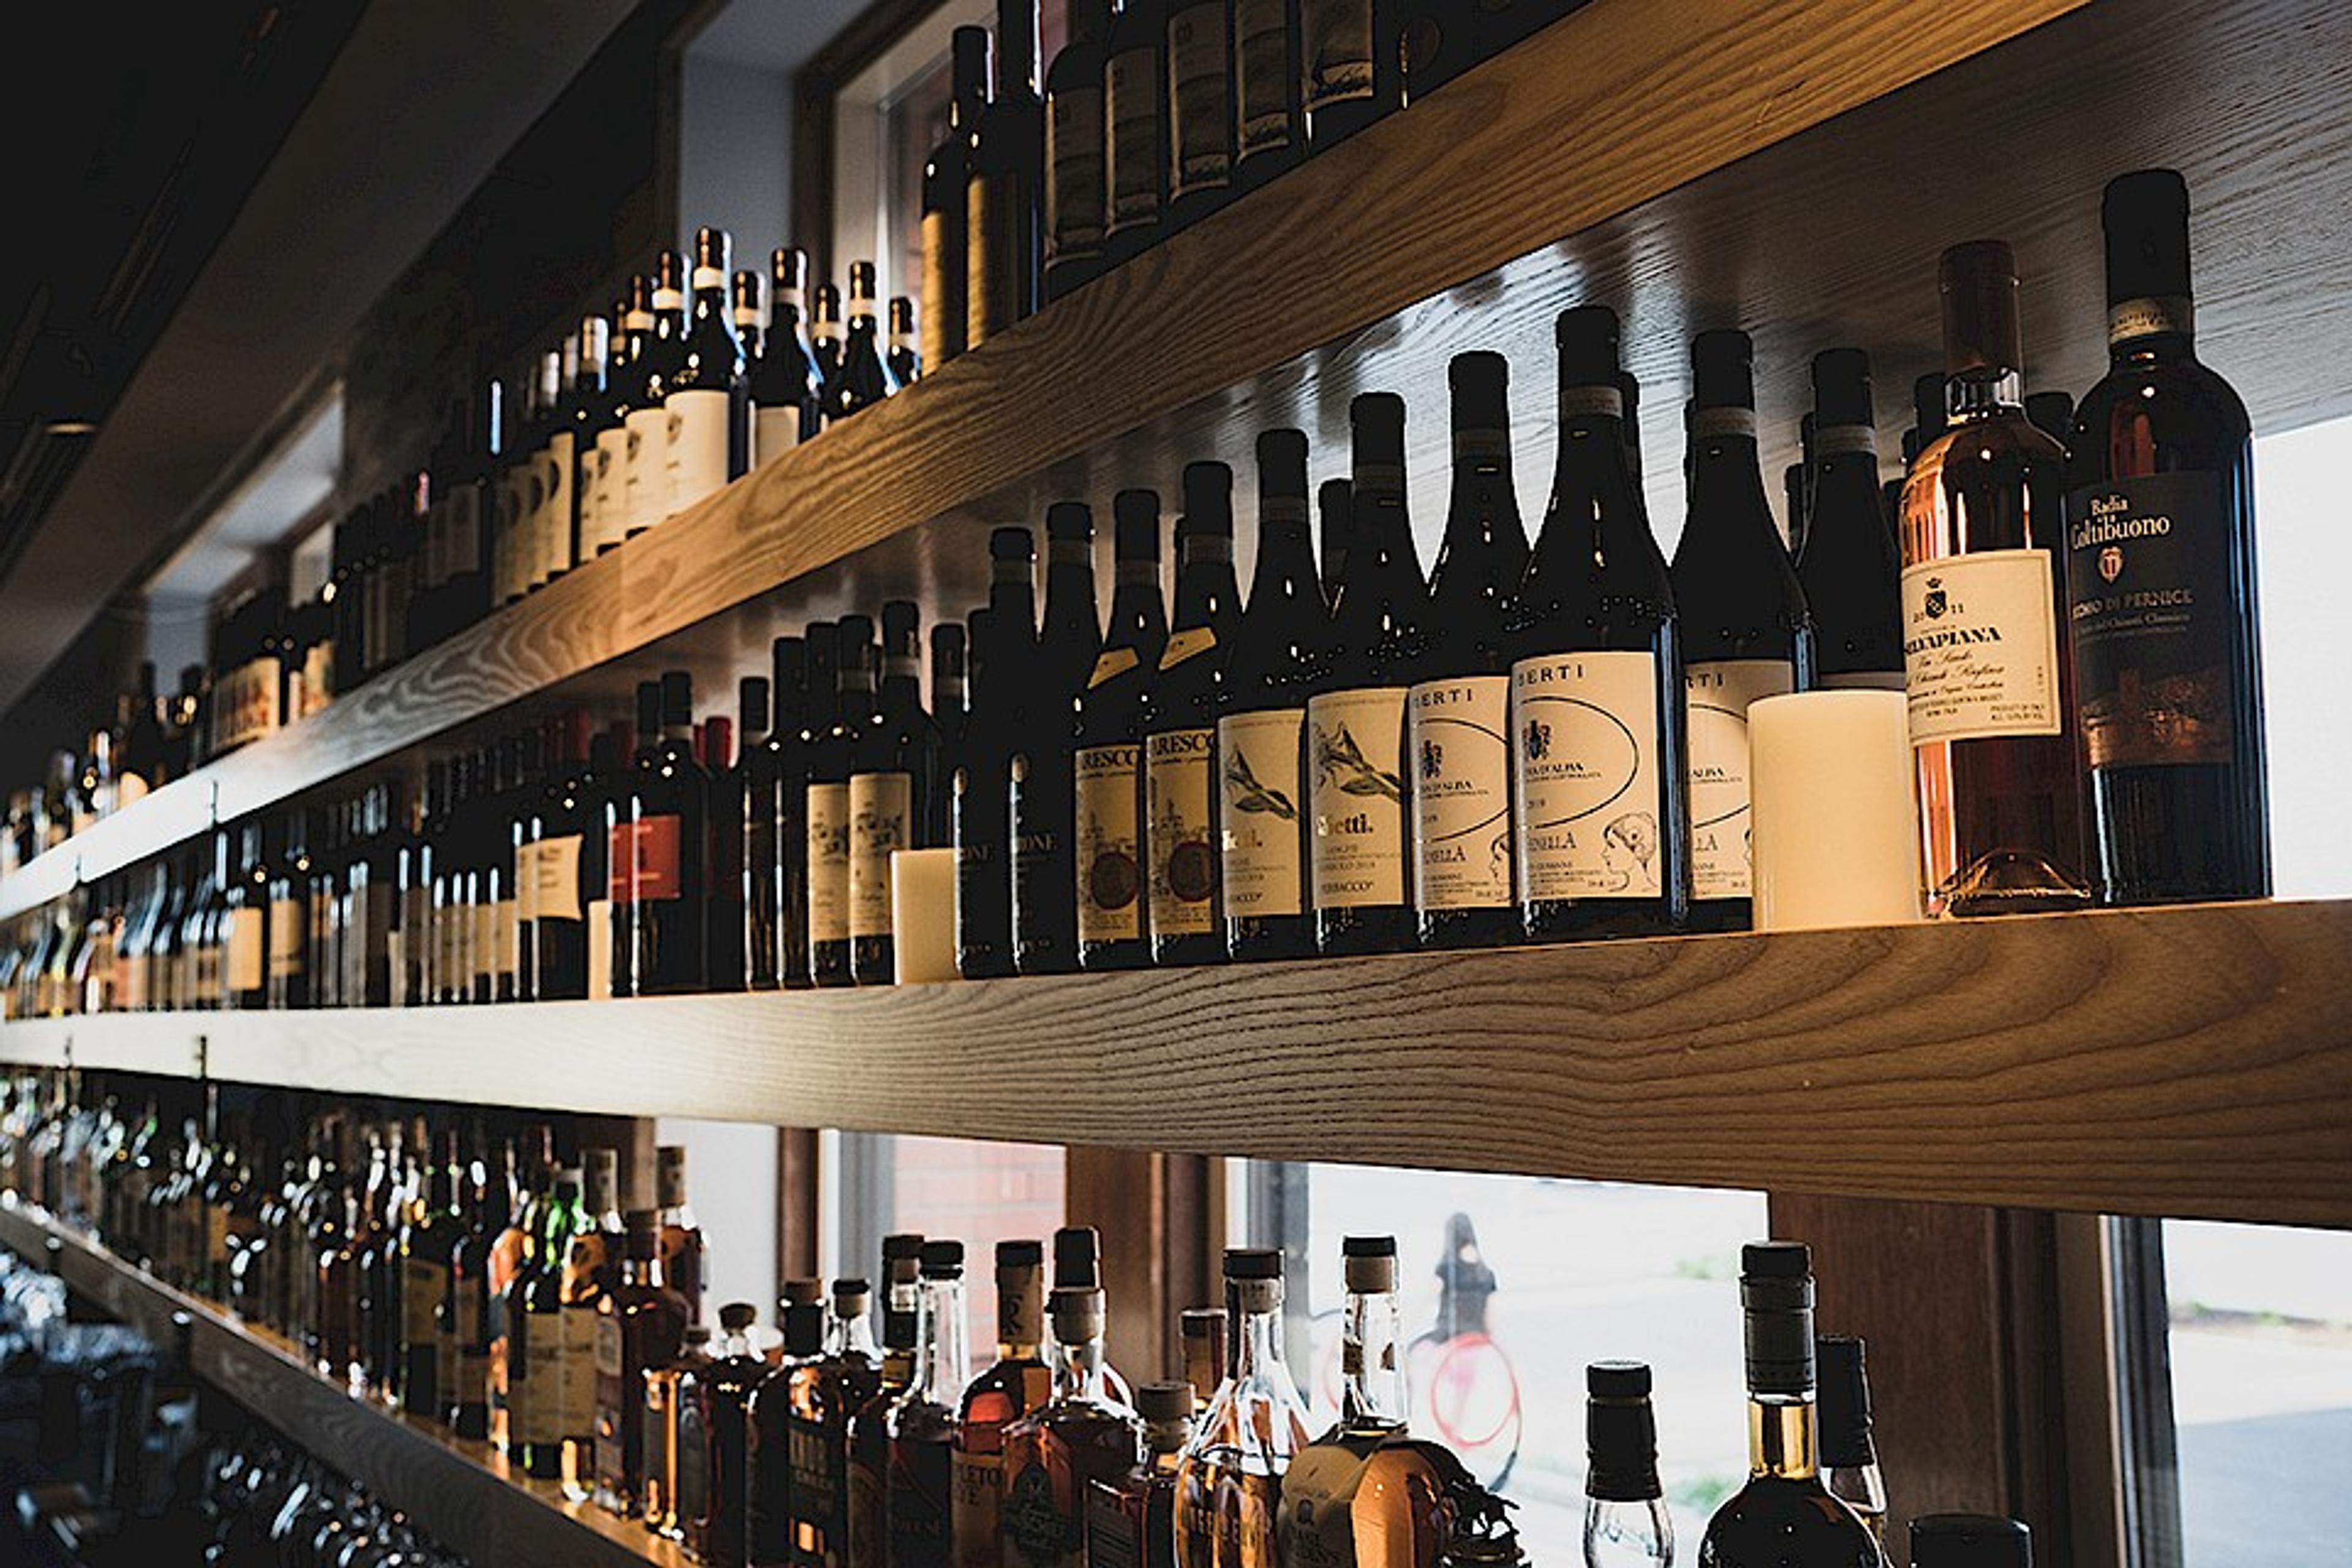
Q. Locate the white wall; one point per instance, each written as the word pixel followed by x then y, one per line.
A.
pixel 730 1184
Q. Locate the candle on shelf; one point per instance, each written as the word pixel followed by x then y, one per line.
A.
pixel 1834 826
pixel 922 914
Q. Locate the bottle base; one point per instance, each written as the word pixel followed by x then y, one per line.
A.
pixel 1351 932
pixel 1267 938
pixel 1453 930
pixel 1114 955
pixel 2010 882
pixel 1183 952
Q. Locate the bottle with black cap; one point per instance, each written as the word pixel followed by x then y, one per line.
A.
pixel 922 1423
pixel 827 793
pixel 1458 722
pixel 729 921
pixel 785 381
pixel 903 352
pixel 1083 1435
pixel 669 817
pixel 1077 1266
pixel 773 836
pixel 868 1445
pixel 1600 801
pixel 1970 1540
pixel 980 808
pixel 862 377
pixel 713 1441
pixel 1201 1339
pixel 1254 1424
pixel 945 174
pixel 1179 726
pixel 1261 708
pixel 893 782
pixel 621 852
pixel 765 1497
pixel 1784 1514
pixel 1130 1518
pixel 799 1482
pixel 1039 783
pixel 1106 764
pixel 824 342
pixel 1849 1456
pixel 1745 631
pixel 2160 510
pixel 1018 1383
pixel 706 397
pixel 660 355
pixel 749 291
pixel 640 1323
pixel 1848 566
pixel 1626 1524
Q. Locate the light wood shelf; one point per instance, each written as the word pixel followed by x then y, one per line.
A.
pixel 2194 1061
pixel 460 1492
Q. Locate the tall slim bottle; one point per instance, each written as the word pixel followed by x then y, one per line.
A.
pixel 1626 1524
pixel 785 381
pixel 640 1324
pixel 829 826
pixel 1135 130
pixel 1106 764
pixel 729 943
pixel 1003 187
pixel 1229 1481
pixel 1199 55
pixel 893 780
pixel 1848 566
pixel 946 173
pixel 1074 201
pixel 1262 707
pixel 773 835
pixel 660 355
pixel 1020 1381
pixel 1040 792
pixel 1458 720
pixel 1180 729
pixel 923 1422
pixel 667 907
pixel 1001 650
pixel 822 1396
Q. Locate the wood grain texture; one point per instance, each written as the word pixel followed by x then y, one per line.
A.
pixel 457 1492
pixel 2194 1061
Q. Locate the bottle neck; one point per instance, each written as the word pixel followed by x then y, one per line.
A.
pixel 2158 327
pixel 1070 592
pixel 1284 553
pixel 1136 599
pixel 1016 48
pixel 1983 395
pixel 853 1337
pixel 1371 1361
pixel 942 1360
pixel 1205 590
pixel 1020 1314
pixel 1079 1372
pixel 1780 1437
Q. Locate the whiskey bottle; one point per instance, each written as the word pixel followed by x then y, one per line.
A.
pixel 829 826
pixel 1016 1384
pixel 1970 1540
pixel 1849 1456
pixel 1106 770
pixel 765 1499
pixel 591 1269
pixel 1075 147
pixel 946 172
pixel 1201 1341
pixel 641 1323
pixel 1179 723
pixel 1130 1520
pixel 466 1321
pixel 678 1446
pixel 2160 580
pixel 1001 635
pixel 426 1248
pixel 894 772
pixel 1040 787
pixel 1457 715
pixel 1053 1458
pixel 1987 663
pixel 923 1422
pixel 1784 1514
pixel 1262 707
pixel 536 1370
pixel 681 1238
pixel 809 1470
pixel 1077 1266
pixel 1003 184
pixel 867 1449
pixel 1626 1524
pixel 720 1393
pixel 1848 564
pixel 1229 1478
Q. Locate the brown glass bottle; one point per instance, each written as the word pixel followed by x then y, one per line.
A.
pixel 715 1467
pixel 868 1525
pixel 800 1448
pixel 1082 1434
pixel 1018 1383
pixel 640 1324
pixel 765 1499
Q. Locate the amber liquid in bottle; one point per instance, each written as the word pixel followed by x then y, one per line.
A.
pixel 1054 1457
pixel 1018 1383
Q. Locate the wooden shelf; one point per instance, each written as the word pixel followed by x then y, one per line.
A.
pixel 2192 1061
pixel 459 1493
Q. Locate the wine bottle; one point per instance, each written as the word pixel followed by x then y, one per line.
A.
pixel 615 443
pixel 775 839
pixel 660 355
pixel 1075 198
pixel 668 888
pixel 566 865
pixel 1745 629
pixel 1783 1514
pixel 1346 80
pixel 706 398
pixel 621 857
pixel 904 355
pixel 1599 802
pixel 824 344
pixel 2160 579
pixel 729 757
pixel 1458 722
pixel 862 378
pixel 829 828
pixel 1848 565
pixel 2053 413
pixel 785 381
pixel 1269 134
pixel 951 712
pixel 1335 513
pixel 1039 782
pixel 1198 50
pixel 1135 118
pixel 893 769
pixel 946 173
pixel 1437 40
pixel 1004 184
pixel 1987 667
pixel 1970 1540
pixel 983 815
pixel 1107 771
pixel 750 314
pixel 559 525
pixel 1797 481
pixel 1626 1524
pixel 592 415
pixel 1178 725
pixel 821 681
pixel 1262 707
pixel 1357 783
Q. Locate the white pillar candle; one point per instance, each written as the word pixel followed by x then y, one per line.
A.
pixel 1834 826
pixel 922 914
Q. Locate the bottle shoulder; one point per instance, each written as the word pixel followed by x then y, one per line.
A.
pixel 2157 416
pixel 1776 1523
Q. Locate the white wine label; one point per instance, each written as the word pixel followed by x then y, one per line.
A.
pixel 1111 663
pixel 288 930
pixel 881 806
pixel 1719 692
pixel 1180 776
pixel 1200 104
pixel 828 862
pixel 556 516
pixel 1131 103
pixel 1073 175
pixel 698 445
pixel 1355 743
pixel 1182 646
pixel 1584 756
pixel 526 881
pixel 555 878
pixel 774 432
pixel 1109 859
pixel 1339 52
pixel 1458 742
pixel 1981 647
pixel 1264 849
pixel 644 477
pixel 2155 624
pixel 1262 74
pixel 608 504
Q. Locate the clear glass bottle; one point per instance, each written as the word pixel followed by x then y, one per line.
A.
pixel 1085 1434
pixel 1020 1381
pixel 1626 1524
pixel 1229 1480
pixel 1849 1456
pixel 922 1421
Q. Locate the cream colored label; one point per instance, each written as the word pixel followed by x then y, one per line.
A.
pixel 1584 756
pixel 526 881
pixel 1355 742
pixel 611 506
pixel 697 461
pixel 828 862
pixel 1458 746
pixel 774 432
pixel 1184 644
pixel 977 1514
pixel 554 878
pixel 644 477
pixel 1110 857
pixel 1179 768
pixel 246 957
pixel 535 1400
pixel 1981 647
pixel 881 807
pixel 600 950
pixel 555 513
pixel 508 919
pixel 1719 692
pixel 288 926
pixel 578 1407
pixel 1264 849
pixel 1111 663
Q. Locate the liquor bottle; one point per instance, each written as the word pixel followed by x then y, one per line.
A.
pixel 1016 1384
pixel 1075 198
pixel 1130 1519
pixel 1346 80
pixel 1458 720
pixel 722 1391
pixel 828 816
pixel 681 1237
pixel 1082 1434
pixel 1849 1456
pixel 288 979
pixel 677 1446
pixel 923 1421
pixel 1135 124
pixel 1359 1482
pixel 893 777
pixel 426 1249
pixel 1001 637
pixel 1269 129
pixel 775 839
pixel 1004 185
pixel 946 173
pixel 824 344
pixel 1178 725
pixel 1848 565
pixel 822 1398
pixel 670 813
pixel 1626 1524
pixel 1106 764
pixel 765 1495
pixel 1229 1478
pixel 862 377
pixel 1356 779
pixel 640 1324
pixel 867 1523
pixel 1262 707
pixel 904 354
pixel 750 314
pixel 659 357
pixel 464 1322
pixel 244 970
pixel 511 1256
pixel 2160 512
pixel 1987 662
pixel 785 381
pixel 591 1267
pixel 537 1369
pixel 1745 631
pixel 1783 1514
pixel 1198 49
pixel 729 927
pixel 706 396
pixel 1970 1540
pixel 1040 778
